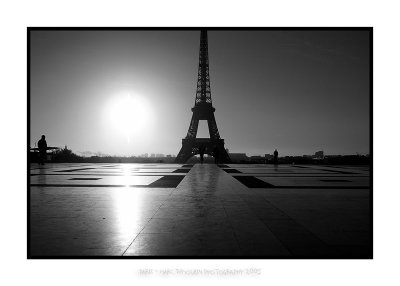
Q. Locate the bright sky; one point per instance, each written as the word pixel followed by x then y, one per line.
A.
pixel 130 92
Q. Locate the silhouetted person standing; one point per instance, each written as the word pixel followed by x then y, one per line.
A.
pixel 202 149
pixel 216 154
pixel 42 145
pixel 276 157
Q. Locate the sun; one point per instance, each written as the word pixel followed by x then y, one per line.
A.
pixel 128 114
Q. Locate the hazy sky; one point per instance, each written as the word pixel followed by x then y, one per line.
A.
pixel 131 92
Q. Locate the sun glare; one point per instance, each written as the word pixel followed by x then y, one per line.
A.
pixel 129 114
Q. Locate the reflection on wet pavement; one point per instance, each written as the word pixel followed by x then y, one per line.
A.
pixel 201 210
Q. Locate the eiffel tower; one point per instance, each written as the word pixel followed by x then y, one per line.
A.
pixel 203 110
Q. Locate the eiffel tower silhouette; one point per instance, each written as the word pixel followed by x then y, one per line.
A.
pixel 203 110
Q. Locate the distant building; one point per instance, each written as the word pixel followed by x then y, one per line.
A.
pixel 257 159
pixel 269 156
pixel 319 155
pixel 160 155
pixel 238 157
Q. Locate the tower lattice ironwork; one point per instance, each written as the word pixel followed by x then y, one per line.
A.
pixel 203 110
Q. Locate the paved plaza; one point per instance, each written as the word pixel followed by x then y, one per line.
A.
pixel 288 211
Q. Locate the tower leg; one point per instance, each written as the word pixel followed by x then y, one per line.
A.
pixel 194 125
pixel 212 127
pixel 190 147
pixel 188 150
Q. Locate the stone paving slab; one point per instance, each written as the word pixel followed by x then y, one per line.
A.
pixel 157 210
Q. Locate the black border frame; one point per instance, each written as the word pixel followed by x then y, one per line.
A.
pixel 369 29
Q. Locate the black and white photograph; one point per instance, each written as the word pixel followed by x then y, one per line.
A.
pixel 187 142
pixel 200 142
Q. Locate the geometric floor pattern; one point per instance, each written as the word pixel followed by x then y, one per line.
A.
pixel 199 211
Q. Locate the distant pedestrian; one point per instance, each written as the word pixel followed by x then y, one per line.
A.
pixel 202 149
pixel 276 157
pixel 216 154
pixel 42 146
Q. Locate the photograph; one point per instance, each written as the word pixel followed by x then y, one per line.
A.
pixel 200 142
